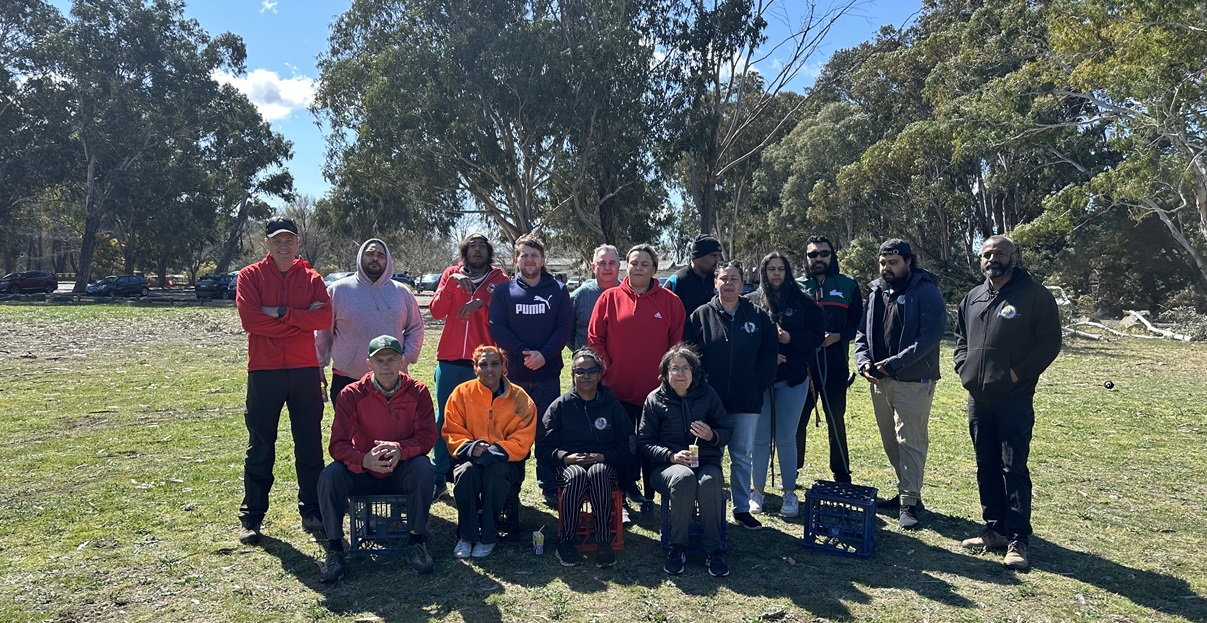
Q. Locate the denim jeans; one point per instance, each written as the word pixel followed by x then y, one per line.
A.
pixel 741 447
pixel 448 376
pixel 788 403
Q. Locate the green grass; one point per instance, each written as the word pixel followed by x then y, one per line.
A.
pixel 122 440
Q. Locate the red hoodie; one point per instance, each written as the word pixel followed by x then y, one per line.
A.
pixel 460 337
pixel 632 332
pixel 286 342
pixel 364 415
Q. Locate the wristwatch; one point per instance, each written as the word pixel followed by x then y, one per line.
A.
pixel 281 312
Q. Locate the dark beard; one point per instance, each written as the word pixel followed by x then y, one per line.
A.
pixel 998 271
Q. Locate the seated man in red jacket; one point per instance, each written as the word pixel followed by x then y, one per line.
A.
pixel 384 427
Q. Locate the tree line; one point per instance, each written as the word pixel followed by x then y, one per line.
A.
pixel 1075 126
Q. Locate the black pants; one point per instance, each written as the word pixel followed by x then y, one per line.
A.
pixel 830 388
pixel 575 481
pixel 337 384
pixel 1001 439
pixel 486 488
pixel 543 393
pixel 412 478
pixel 267 392
pixel 637 467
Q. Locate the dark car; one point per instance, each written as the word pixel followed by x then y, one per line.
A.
pixel 119 285
pixel 216 286
pixel 29 281
pixel 405 278
pixel 428 282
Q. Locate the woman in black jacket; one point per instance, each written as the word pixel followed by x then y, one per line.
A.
pixel 800 326
pixel 738 348
pixel 683 412
pixel 585 442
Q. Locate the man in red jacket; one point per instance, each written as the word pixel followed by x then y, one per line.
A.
pixel 384 427
pixel 281 303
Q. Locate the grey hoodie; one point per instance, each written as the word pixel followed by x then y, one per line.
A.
pixel 364 309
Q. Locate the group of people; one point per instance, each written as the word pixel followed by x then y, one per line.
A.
pixel 665 380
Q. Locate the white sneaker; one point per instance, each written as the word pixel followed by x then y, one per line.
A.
pixel 791 507
pixel 756 502
pixel 482 550
pixel 463 549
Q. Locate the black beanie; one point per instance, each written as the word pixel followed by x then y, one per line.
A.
pixel 705 245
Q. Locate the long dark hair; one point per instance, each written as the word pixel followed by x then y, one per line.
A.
pixel 788 295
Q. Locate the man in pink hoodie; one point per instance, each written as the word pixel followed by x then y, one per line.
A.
pixel 462 300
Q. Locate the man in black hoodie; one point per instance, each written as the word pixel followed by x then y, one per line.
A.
pixel 1007 333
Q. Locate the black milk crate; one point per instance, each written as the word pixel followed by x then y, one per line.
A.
pixel 840 519
pixel 695 532
pixel 378 524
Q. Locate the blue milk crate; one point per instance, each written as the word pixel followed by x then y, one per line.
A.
pixel 378 524
pixel 695 532
pixel 840 519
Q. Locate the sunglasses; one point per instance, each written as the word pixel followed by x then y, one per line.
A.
pixel 817 254
pixel 585 371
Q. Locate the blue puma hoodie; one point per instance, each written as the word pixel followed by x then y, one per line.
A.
pixel 524 317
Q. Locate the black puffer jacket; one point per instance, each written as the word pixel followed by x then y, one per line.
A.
pixel 666 419
pixel 575 425
pixel 739 354
pixel 805 323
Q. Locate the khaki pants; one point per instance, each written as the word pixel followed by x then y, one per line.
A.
pixel 902 415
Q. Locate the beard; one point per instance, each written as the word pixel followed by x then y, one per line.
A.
pixel 818 269
pixel 374 271
pixel 997 270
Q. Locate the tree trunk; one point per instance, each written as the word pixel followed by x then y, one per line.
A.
pixel 232 239
pixel 92 225
pixel 1176 232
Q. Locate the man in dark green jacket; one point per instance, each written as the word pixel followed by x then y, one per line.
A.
pixel 1007 333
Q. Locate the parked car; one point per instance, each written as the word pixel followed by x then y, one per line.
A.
pixel 216 286
pixel 428 282
pixel 119 285
pixel 405 279
pixel 153 281
pixel 573 283
pixel 333 277
pixel 29 281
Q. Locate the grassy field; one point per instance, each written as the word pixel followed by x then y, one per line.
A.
pixel 122 437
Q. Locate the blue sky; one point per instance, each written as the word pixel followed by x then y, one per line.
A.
pixel 285 37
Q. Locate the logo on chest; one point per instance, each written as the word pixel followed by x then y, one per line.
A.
pixel 541 306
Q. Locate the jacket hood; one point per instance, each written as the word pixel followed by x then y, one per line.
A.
pixel 546 280
pixel 360 270
pixel 631 293
pixel 743 304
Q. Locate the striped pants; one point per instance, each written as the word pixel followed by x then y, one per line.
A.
pixel 575 481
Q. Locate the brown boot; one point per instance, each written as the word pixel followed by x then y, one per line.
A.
pixel 988 539
pixel 1016 555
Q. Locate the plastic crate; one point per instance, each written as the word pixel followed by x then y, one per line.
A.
pixel 378 524
pixel 695 532
pixel 584 536
pixel 840 519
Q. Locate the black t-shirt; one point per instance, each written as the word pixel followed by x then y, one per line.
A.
pixel 886 334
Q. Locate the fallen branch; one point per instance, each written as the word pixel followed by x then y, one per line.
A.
pixel 1081 334
pixel 1162 332
pixel 1099 325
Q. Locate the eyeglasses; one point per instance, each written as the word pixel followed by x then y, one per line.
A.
pixel 817 254
pixel 585 371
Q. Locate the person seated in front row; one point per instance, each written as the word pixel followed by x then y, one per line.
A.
pixel 383 429
pixel 489 425
pixel 586 442
pixel 684 411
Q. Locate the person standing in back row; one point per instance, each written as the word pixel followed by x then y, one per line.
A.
pixel 605 264
pixel 531 320
pixel 842 305
pixel 897 351
pixel 281 304
pixel 693 284
pixel 1007 333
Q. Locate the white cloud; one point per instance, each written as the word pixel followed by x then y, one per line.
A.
pixel 275 97
pixel 266 6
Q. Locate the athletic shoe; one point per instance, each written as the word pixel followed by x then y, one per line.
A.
pixel 1016 555
pixel 420 558
pixel 482 550
pixel 314 525
pixel 746 520
pixel 550 498
pixel 907 517
pixel 676 561
pixel 333 567
pixel 249 535
pixel 756 501
pixel 791 507
pixel 988 539
pixel 463 549
pixel 439 490
pixel 568 555
pixel 604 556
pixel 716 565
pixel 891 504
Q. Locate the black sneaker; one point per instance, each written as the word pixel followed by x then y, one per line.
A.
pixel 716 565
pixel 891 504
pixel 439 490
pixel 568 554
pixel 676 561
pixel 249 535
pixel 420 558
pixel 333 567
pixel 314 525
pixel 907 518
pixel 604 556
pixel 746 520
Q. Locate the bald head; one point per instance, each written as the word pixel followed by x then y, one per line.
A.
pixel 998 256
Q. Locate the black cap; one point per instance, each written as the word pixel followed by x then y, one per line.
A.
pixel 896 246
pixel 278 224
pixel 705 245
